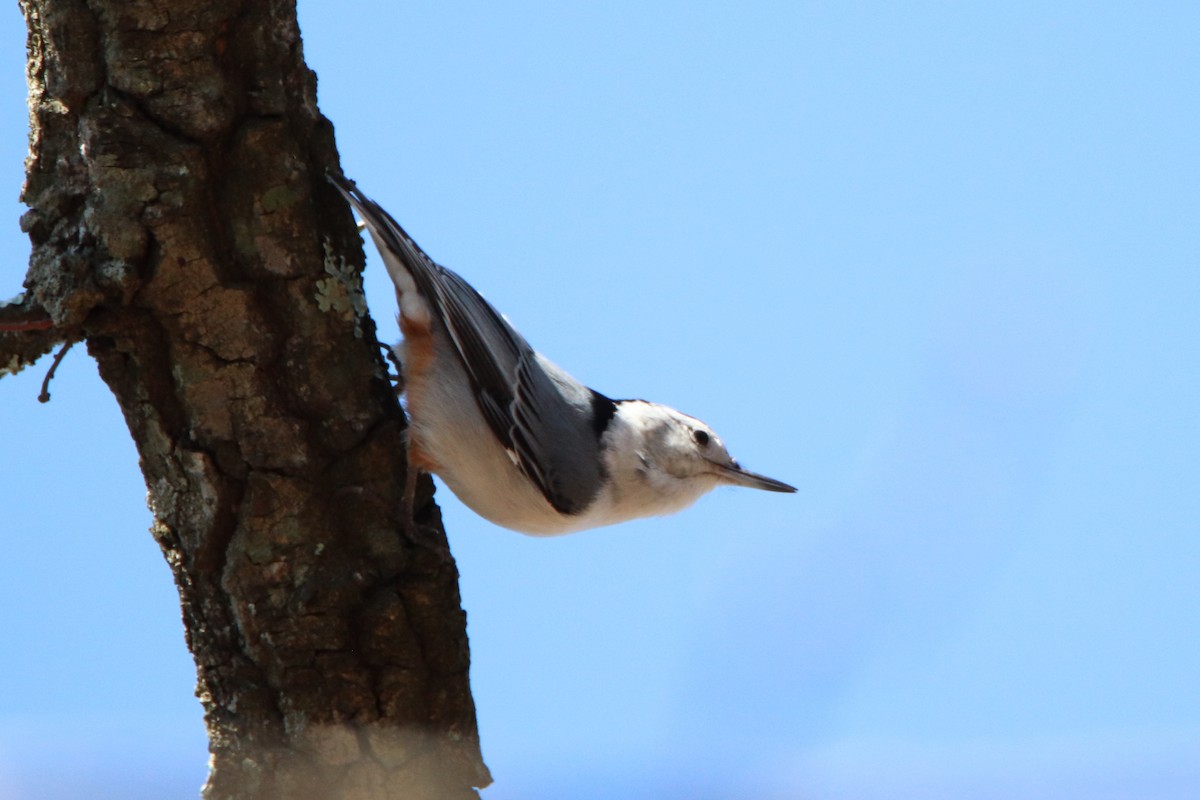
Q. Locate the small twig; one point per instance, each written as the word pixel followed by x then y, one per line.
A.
pixel 44 397
pixel 21 314
pixel 27 325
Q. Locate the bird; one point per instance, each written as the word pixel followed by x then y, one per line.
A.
pixel 518 440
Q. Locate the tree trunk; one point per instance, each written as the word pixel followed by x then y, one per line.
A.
pixel 181 224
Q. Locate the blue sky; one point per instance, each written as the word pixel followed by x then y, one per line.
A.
pixel 938 266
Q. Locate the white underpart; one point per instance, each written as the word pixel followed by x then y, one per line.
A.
pixel 413 306
pixel 479 470
pixel 483 475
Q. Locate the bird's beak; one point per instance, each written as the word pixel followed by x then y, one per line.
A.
pixel 741 477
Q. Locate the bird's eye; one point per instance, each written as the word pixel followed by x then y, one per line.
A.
pixel 700 437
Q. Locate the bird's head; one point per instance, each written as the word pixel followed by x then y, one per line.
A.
pixel 676 448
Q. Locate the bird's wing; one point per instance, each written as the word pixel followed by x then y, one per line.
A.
pixel 541 415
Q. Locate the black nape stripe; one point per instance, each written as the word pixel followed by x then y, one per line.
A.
pixel 603 409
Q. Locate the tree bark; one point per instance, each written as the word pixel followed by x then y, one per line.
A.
pixel 182 226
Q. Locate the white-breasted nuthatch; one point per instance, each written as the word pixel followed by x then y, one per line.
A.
pixel 518 440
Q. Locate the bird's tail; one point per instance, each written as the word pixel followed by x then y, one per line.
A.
pixel 413 273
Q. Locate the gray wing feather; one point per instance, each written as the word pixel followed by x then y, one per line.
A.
pixel 539 413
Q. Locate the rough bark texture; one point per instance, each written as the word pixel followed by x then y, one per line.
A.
pixel 182 225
